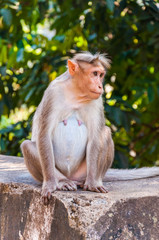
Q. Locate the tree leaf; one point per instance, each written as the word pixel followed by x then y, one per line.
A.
pixel 20 55
pixel 110 4
pixel 7 16
pixel 30 93
pixel 151 94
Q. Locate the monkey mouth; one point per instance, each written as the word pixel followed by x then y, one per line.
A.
pixel 97 93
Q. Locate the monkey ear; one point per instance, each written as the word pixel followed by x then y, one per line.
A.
pixel 72 67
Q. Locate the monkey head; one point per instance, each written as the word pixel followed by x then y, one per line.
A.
pixel 88 74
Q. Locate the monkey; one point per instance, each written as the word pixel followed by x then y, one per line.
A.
pixel 73 99
pixel 71 145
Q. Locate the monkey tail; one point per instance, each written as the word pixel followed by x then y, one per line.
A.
pixel 130 174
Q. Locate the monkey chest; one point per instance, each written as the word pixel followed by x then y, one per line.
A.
pixel 69 144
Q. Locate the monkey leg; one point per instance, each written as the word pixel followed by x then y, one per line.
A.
pixel 31 159
pixel 32 162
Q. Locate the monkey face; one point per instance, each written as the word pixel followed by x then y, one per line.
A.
pixel 96 75
pixel 92 81
pixel 88 78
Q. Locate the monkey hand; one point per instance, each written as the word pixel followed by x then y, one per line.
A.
pixel 47 188
pixel 94 187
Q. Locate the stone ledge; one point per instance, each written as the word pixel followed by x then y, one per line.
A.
pixel 129 211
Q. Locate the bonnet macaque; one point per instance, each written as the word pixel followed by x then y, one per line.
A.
pixel 70 143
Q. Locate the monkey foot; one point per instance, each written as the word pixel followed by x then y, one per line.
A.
pixel 99 189
pixel 67 185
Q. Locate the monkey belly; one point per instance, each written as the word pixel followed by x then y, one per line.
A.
pixel 69 144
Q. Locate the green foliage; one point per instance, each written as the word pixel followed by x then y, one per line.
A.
pixel 36 39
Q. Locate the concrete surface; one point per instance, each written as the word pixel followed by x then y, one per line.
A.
pixel 129 211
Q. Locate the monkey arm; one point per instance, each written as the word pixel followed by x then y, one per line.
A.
pixel 94 176
pixel 99 158
pixel 47 123
pixel 95 143
pixel 92 161
pixel 45 149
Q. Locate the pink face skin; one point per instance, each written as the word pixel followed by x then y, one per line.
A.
pixel 88 78
pixel 95 76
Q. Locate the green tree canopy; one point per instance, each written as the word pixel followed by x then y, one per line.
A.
pixel 38 36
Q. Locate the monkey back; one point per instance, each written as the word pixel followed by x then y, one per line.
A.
pixel 69 144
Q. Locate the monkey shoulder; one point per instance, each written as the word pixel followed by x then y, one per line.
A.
pixel 53 90
pixel 45 109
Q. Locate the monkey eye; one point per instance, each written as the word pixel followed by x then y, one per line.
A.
pixel 95 73
pixel 101 75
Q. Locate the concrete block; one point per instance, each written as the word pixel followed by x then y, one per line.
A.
pixel 130 210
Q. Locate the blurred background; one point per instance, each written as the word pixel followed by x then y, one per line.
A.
pixel 38 36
